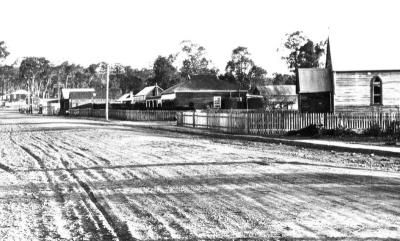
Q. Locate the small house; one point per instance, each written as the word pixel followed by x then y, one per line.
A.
pixel 75 97
pixel 281 97
pixel 204 91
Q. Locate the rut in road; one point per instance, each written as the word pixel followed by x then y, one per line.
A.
pixel 106 234
pixel 118 227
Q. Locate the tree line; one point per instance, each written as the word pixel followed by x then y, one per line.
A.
pixel 41 77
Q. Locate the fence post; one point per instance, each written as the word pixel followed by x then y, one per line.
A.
pixel 194 118
pixel 247 122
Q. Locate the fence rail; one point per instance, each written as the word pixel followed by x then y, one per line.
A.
pixel 134 115
pixel 269 123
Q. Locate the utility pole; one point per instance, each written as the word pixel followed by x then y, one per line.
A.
pixel 108 82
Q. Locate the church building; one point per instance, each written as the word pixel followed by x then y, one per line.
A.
pixel 365 85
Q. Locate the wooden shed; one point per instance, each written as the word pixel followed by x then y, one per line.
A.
pixel 315 90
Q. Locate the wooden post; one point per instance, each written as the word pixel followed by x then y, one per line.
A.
pixel 194 118
pixel 108 81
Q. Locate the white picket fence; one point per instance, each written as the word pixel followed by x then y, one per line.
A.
pixel 265 123
pixel 134 115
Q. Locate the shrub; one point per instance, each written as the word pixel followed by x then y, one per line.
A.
pixel 373 130
pixel 311 130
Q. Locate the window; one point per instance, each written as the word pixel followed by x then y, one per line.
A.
pixel 376 91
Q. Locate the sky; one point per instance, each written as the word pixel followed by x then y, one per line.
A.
pixel 135 32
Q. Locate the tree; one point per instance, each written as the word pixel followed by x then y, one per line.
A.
pixel 282 79
pixel 3 55
pixel 243 69
pixel 32 70
pixel 257 75
pixel 3 51
pixel 165 74
pixel 303 53
pixel 195 61
pixel 9 77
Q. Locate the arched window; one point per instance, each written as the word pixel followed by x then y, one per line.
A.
pixel 376 91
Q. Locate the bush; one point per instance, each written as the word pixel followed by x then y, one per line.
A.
pixel 373 130
pixel 311 130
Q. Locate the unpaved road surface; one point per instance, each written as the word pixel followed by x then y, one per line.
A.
pixel 68 179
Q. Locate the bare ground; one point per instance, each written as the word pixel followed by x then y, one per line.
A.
pixel 66 179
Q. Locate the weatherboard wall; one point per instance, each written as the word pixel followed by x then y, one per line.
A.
pixel 353 91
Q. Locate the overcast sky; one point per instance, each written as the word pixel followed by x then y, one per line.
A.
pixel 135 32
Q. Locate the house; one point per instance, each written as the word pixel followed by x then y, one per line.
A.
pixel 142 96
pixel 204 91
pixel 76 96
pixel 18 95
pixel 360 85
pixel 147 92
pixel 273 97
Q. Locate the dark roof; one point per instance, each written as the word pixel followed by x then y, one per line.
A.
pixel 203 83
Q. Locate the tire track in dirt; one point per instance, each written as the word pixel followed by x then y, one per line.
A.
pixel 120 228
pixel 157 226
pixel 6 168
pixel 44 229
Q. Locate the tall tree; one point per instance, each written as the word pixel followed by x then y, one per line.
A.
pixel 195 60
pixel 240 65
pixel 165 74
pixel 303 53
pixel 3 55
pixel 3 51
pixel 10 79
pixel 257 75
pixel 32 70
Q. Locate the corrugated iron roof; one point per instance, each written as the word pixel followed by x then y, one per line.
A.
pixel 276 90
pixel 66 92
pixel 148 90
pixel 312 80
pixel 203 83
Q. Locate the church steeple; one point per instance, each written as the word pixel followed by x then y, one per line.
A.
pixel 328 62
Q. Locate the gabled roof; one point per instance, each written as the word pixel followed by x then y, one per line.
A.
pixel 203 83
pixel 276 90
pixel 66 92
pixel 124 97
pixel 148 90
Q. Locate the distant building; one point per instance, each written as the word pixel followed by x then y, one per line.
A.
pixel 365 85
pixel 282 97
pixel 18 95
pixel 74 97
pixel 142 96
pixel 204 91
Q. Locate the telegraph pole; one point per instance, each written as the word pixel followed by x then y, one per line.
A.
pixel 108 82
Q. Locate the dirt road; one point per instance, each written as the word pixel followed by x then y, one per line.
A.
pixel 66 179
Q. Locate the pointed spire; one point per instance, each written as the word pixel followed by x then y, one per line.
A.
pixel 328 62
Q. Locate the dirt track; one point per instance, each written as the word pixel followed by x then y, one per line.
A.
pixel 65 179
